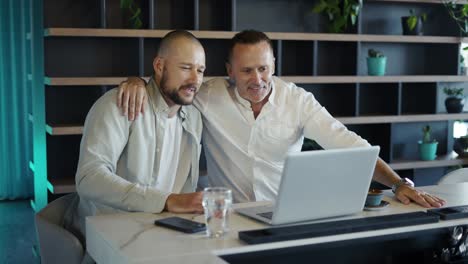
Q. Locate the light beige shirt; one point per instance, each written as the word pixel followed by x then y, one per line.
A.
pixel 169 153
pixel 120 160
pixel 247 154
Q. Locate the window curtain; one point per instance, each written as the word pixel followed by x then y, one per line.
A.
pixel 16 179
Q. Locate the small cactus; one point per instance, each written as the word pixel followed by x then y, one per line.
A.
pixel 375 53
pixel 426 134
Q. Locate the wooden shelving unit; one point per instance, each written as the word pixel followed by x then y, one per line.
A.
pixel 450 159
pixel 201 34
pixel 92 81
pixel 375 79
pixel 67 185
pixel 61 130
pixel 401 118
pixel 416 1
pixel 62 185
pixel 82 61
pixel 84 81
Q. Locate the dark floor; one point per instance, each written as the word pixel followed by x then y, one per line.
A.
pixel 17 232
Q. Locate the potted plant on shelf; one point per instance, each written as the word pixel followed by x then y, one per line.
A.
pixel 413 24
pixel 376 63
pixel 427 146
pixel 339 13
pixel 131 14
pixel 462 65
pixel 459 13
pixel 455 99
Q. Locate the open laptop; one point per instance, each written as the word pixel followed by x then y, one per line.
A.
pixel 320 184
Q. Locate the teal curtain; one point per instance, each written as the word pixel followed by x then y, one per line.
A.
pixel 16 179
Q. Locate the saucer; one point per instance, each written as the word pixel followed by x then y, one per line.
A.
pixel 381 206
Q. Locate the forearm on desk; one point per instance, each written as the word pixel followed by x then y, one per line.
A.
pixel 384 174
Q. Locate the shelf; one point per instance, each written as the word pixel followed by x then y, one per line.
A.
pixel 33 205
pixel 415 1
pixel 65 81
pixel 149 33
pixel 61 130
pixel 442 161
pixel 62 185
pixel 70 81
pixel 401 118
pixel 58 130
pixel 375 79
pixel 128 33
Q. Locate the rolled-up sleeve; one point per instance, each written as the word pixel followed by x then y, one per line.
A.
pixel 105 136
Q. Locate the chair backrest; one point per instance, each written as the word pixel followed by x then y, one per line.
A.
pixel 56 244
pixel 456 176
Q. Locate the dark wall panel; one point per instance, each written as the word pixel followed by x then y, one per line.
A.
pixel 91 57
pixel 326 94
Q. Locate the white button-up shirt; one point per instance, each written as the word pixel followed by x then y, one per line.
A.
pixel 247 154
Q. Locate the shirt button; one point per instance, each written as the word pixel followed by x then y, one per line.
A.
pixel 157 150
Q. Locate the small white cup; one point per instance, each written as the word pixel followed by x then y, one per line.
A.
pixel 217 203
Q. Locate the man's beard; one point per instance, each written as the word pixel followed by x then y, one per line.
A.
pixel 173 94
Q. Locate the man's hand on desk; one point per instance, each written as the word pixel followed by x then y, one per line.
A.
pixel 407 194
pixel 185 203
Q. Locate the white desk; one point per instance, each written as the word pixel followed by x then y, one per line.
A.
pixel 133 238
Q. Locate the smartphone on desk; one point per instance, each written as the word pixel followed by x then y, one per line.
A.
pixel 181 224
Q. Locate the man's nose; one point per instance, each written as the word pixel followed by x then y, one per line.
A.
pixel 257 78
pixel 195 77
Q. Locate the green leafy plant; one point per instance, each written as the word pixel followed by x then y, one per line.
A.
pixel 427 135
pixel 413 19
pixel 339 12
pixel 454 92
pixel 375 53
pixel 459 13
pixel 135 12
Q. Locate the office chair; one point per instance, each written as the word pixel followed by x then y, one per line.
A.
pixel 56 244
pixel 456 176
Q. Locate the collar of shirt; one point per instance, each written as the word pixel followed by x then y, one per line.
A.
pixel 157 100
pixel 271 99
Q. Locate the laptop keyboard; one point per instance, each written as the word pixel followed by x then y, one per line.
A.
pixel 283 233
pixel 267 215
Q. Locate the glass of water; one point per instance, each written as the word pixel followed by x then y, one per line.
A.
pixel 217 203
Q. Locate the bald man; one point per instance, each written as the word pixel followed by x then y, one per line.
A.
pixel 150 164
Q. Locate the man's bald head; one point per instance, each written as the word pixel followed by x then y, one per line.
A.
pixel 179 67
pixel 169 41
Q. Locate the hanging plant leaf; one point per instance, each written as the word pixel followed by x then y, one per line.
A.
pixel 339 13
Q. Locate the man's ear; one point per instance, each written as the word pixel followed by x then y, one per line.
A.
pixel 229 70
pixel 273 67
pixel 158 65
